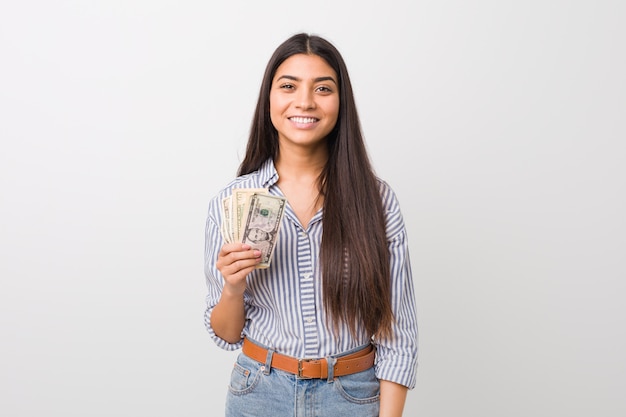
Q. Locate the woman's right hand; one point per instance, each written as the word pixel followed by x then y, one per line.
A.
pixel 235 261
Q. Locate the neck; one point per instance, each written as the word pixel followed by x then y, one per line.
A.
pixel 296 164
pixel 299 180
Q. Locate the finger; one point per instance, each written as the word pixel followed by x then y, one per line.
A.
pixel 235 275
pixel 233 252
pixel 234 262
pixel 233 247
pixel 241 274
pixel 233 257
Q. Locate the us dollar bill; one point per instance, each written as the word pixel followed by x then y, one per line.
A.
pixel 265 213
pixel 226 227
pixel 240 206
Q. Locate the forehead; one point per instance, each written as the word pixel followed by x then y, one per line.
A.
pixel 305 67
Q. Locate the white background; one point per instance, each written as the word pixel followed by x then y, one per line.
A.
pixel 500 124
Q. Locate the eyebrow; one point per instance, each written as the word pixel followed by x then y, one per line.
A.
pixel 317 80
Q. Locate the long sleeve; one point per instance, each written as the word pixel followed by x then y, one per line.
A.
pixel 214 280
pixel 397 354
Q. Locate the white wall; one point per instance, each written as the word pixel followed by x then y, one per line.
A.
pixel 499 123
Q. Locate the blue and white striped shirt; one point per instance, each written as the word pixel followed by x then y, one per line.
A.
pixel 283 304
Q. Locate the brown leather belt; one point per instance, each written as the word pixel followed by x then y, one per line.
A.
pixel 313 368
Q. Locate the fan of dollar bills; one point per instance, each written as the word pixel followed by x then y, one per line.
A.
pixel 253 216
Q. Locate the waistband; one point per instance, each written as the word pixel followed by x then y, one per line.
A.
pixel 312 368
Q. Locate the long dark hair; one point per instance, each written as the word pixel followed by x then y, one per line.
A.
pixel 354 255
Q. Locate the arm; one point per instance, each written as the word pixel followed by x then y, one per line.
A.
pixel 397 353
pixel 235 261
pixel 392 398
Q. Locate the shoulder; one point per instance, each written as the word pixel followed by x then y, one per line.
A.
pixel 394 221
pixel 252 180
pixel 261 178
pixel 388 196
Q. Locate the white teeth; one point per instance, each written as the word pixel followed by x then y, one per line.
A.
pixel 303 119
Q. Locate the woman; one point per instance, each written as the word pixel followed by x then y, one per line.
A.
pixel 329 329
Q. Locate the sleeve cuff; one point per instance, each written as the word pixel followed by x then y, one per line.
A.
pixel 401 370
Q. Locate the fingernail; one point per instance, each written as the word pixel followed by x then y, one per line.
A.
pixel 257 253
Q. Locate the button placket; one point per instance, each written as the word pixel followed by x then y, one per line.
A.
pixel 307 294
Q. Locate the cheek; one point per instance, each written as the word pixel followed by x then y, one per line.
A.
pixel 275 119
pixel 277 107
pixel 333 108
pixel 273 115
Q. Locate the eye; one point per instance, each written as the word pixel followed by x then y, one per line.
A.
pixel 287 86
pixel 324 89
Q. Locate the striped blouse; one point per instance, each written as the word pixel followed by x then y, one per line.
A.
pixel 283 304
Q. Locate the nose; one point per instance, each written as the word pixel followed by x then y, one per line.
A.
pixel 305 99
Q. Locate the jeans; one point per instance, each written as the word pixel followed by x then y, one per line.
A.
pixel 257 391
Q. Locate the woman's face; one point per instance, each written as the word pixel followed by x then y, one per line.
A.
pixel 304 101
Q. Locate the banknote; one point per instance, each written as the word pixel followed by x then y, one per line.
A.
pixel 240 201
pixel 227 222
pixel 264 216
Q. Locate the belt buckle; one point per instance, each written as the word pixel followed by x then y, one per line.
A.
pixel 300 362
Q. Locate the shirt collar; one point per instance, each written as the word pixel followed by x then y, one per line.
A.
pixel 268 174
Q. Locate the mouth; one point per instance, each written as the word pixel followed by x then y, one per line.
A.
pixel 304 120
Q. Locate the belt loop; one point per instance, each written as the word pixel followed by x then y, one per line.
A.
pixel 331 368
pixel 268 361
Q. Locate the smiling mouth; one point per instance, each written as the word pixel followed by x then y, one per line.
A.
pixel 303 120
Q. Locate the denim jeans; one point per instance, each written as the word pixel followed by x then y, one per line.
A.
pixel 256 391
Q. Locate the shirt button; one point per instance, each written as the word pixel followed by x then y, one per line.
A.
pixel 306 276
pixel 309 320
